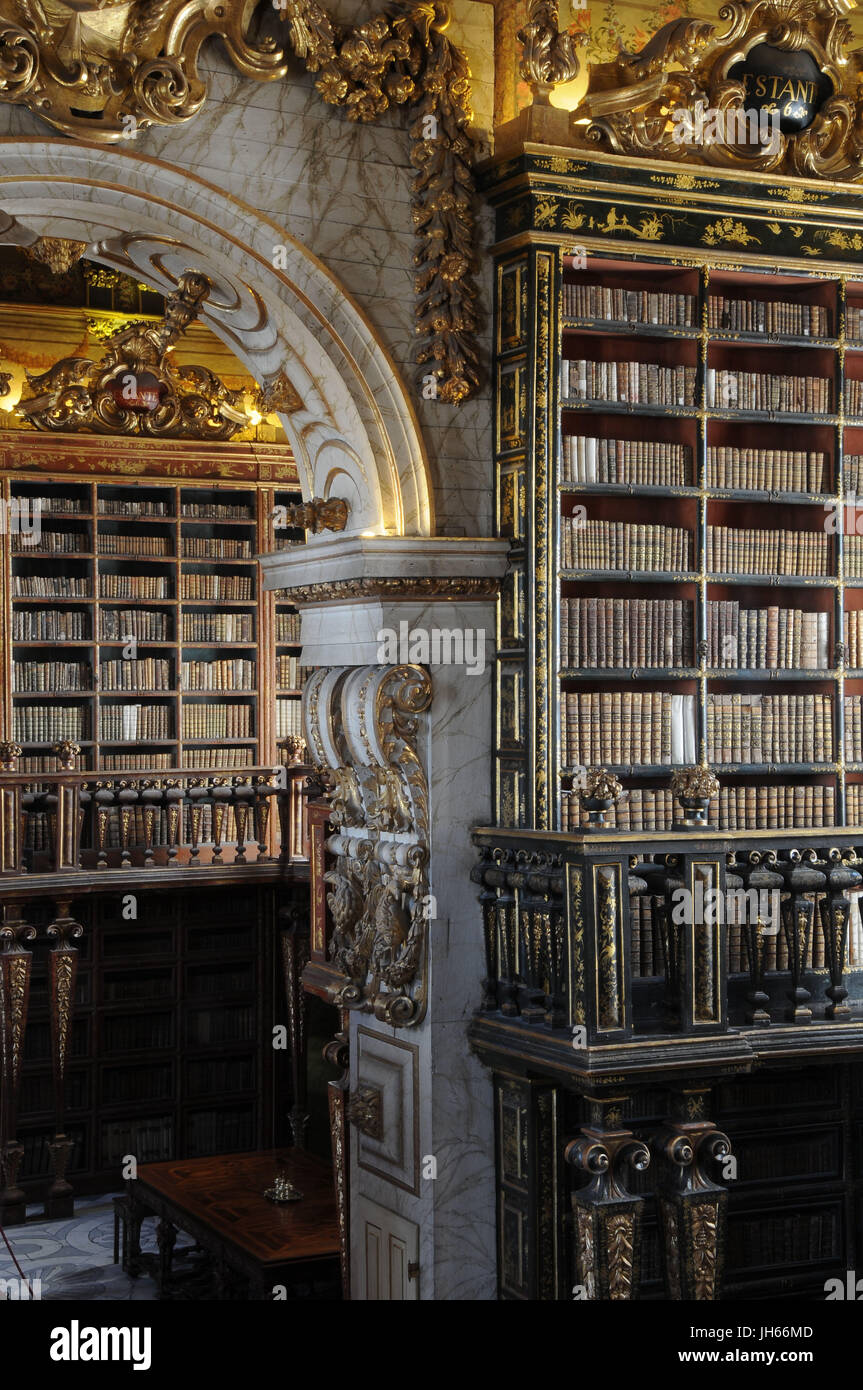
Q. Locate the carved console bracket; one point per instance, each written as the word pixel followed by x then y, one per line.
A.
pixel 692 1205
pixel 363 729
pixel 607 1217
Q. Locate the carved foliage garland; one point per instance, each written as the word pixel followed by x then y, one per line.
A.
pixel 404 57
pixel 634 103
pixel 363 727
pixel 102 69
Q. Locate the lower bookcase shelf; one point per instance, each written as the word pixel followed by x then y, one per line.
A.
pixel 171 1052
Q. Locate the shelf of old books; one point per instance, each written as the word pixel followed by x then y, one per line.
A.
pixel 709 570
pixel 137 624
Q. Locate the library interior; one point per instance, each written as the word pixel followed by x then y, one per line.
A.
pixel 431 578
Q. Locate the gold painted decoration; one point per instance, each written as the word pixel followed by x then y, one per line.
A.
pixel 378 885
pixel 136 388
pixel 57 253
pixel 774 89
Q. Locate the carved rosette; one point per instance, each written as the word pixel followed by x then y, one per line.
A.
pixel 364 729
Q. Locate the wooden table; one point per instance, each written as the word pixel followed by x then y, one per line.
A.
pixel 258 1249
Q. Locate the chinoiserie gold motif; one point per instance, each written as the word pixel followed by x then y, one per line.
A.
pixel 136 389
pixel 102 69
pixel 632 103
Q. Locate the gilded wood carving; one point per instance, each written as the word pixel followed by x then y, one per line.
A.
pixel 102 69
pixel 789 58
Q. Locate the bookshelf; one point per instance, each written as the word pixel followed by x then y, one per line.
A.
pixel 139 629
pixel 703 434
pixel 171 1052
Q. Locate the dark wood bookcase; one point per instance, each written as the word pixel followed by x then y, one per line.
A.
pixel 537 778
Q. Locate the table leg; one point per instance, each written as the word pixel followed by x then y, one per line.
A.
pixel 166 1239
pixel 133 1217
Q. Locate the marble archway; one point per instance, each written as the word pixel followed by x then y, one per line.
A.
pixel 274 303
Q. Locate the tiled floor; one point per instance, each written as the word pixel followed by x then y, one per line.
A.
pixel 74 1258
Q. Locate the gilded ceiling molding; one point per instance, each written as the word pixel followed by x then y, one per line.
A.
pixel 787 59
pixel 364 727
pixel 106 68
pixel 137 389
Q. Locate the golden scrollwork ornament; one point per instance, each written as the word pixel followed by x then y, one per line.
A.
pixel 777 82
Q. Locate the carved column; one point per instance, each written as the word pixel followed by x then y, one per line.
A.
pixel 15 965
pixel 62 974
pixel 691 1203
pixel 11 822
pixel 295 954
pixel 606 1215
pixel 399 731
pixel 337 1053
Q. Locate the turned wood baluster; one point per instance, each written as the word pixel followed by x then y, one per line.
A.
pixel 758 874
pixel 104 798
pixel 196 792
pixel 802 879
pixel 174 803
pixel 127 797
pixel 263 788
pixel 151 801
pixel 221 795
pixel 62 973
pixel 243 797
pixel 15 964
pixel 835 909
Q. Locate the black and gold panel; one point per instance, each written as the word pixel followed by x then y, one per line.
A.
pixel 512 305
pixel 512 707
pixel 511 502
pixel 511 406
pixel 511 792
pixel 531 1261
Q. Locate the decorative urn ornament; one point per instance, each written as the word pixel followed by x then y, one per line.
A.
pixel 693 787
pixel 601 791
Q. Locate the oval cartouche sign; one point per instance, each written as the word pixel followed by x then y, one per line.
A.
pixel 789 87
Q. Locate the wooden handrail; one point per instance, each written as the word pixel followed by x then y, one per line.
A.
pixel 83 820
